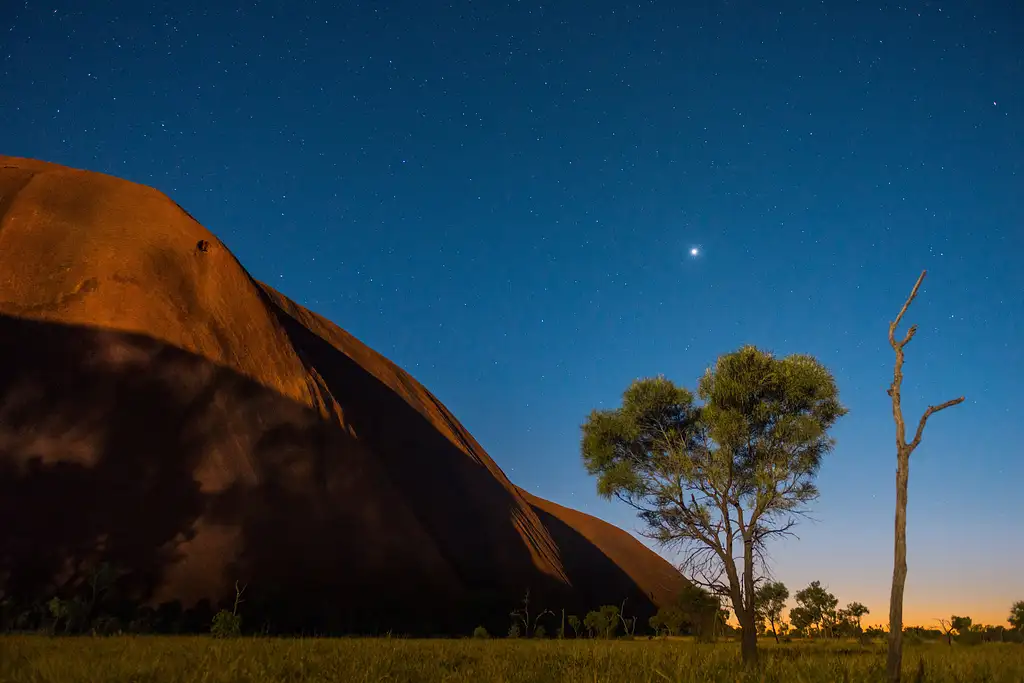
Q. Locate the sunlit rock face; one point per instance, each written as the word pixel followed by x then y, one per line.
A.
pixel 164 412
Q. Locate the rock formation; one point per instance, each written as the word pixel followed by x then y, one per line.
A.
pixel 162 411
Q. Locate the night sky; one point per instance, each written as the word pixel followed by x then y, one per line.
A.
pixel 502 198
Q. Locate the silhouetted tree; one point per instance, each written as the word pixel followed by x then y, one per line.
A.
pixel 947 630
pixel 961 625
pixel 855 611
pixel 722 478
pixel 771 600
pixel 1016 618
pixel 818 608
pixel 894 661
pixel 802 619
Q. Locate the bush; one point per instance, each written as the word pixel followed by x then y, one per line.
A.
pixel 481 632
pixel 513 631
pixel 970 638
pixel 540 632
pixel 226 625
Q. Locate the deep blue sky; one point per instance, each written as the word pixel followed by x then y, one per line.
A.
pixel 502 198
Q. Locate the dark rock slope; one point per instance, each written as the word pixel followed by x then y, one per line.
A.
pixel 162 411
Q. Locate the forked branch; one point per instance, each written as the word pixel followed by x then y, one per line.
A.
pixel 924 418
pixel 895 323
pixel 894 389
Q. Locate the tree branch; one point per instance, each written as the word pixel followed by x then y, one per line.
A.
pixel 928 413
pixel 895 323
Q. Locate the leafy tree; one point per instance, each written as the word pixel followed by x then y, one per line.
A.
pixel 226 625
pixel 856 610
pixel 574 624
pixel 961 625
pixel 818 605
pixel 60 611
pixel 722 478
pixel 669 620
pixel 229 624
pixel 481 633
pixel 802 619
pixel 894 661
pixel 602 622
pixel 1016 618
pixel 770 600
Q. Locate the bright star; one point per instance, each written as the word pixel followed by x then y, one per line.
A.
pixel 694 251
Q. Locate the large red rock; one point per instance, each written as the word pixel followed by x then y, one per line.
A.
pixel 163 411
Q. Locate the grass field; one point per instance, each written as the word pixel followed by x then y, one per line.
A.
pixel 153 659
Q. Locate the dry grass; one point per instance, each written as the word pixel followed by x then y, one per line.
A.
pixel 141 659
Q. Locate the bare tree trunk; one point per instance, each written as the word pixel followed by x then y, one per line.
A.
pixel 894 661
pixel 748 638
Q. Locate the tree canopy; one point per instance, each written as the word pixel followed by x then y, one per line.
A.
pixel 1016 617
pixel 720 477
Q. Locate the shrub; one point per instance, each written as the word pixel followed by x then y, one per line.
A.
pixel 480 632
pixel 226 625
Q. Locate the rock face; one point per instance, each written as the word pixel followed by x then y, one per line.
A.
pixel 162 411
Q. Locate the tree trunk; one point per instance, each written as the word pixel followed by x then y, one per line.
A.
pixel 775 633
pixel 894 663
pixel 748 622
pixel 748 638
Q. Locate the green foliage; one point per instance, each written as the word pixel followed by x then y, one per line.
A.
pixel 602 623
pixel 669 620
pixel 513 631
pixel 226 625
pixel 749 451
pixel 481 632
pixel 815 609
pixel 540 632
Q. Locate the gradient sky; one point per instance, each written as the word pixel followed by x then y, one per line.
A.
pixel 501 197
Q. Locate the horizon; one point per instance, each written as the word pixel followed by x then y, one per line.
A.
pixel 504 201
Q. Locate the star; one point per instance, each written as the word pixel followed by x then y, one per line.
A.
pixel 694 251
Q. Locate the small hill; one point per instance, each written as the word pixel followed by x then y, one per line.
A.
pixel 162 411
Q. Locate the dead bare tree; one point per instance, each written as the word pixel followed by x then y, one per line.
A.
pixel 903 451
pixel 238 598
pixel 947 629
